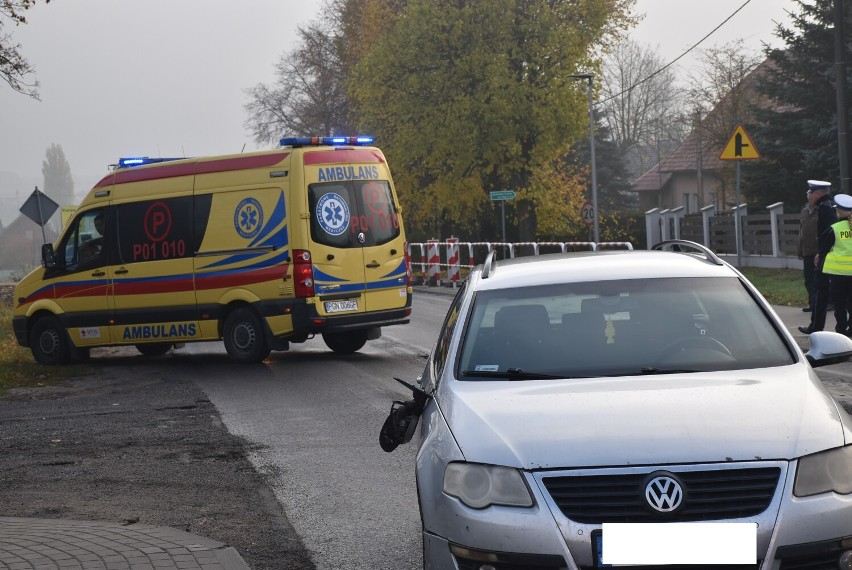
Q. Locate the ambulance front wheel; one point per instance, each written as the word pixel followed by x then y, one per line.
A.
pixel 345 343
pixel 244 337
pixel 49 343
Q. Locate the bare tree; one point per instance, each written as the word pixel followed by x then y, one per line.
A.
pixel 58 183
pixel 308 96
pixel 724 94
pixel 719 87
pixel 14 68
pixel 641 105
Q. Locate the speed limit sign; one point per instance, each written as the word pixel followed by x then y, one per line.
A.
pixel 588 214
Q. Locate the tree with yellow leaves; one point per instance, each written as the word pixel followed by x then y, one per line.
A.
pixel 468 97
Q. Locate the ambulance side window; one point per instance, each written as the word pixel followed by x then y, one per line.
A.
pixel 83 246
pixel 155 230
pixel 353 214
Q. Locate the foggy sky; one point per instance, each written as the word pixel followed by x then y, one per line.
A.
pixel 167 77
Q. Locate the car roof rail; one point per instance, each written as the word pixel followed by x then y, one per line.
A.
pixel 678 244
pixel 490 264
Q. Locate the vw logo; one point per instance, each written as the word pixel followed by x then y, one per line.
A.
pixel 664 493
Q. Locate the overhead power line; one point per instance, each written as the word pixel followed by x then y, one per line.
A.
pixel 678 58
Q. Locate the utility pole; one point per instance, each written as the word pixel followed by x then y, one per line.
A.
pixel 840 91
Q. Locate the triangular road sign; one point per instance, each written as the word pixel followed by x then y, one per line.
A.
pixel 739 146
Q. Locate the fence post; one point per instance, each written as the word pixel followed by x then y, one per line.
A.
pixel 652 227
pixel 707 212
pixel 775 210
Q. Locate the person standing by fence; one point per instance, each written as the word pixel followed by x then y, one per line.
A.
pixel 826 216
pixel 808 248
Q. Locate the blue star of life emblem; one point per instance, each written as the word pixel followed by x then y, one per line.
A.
pixel 332 213
pixel 248 218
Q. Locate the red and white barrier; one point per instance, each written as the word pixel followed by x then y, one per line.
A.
pixel 476 252
pixel 453 260
pixel 434 261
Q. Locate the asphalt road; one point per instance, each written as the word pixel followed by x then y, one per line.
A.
pixel 279 460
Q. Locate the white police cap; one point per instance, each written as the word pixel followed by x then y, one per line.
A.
pixel 843 201
pixel 819 185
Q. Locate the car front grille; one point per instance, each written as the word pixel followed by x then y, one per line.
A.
pixel 708 495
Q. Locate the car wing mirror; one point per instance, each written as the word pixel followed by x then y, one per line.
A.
pixel 402 420
pixel 828 348
pixel 48 256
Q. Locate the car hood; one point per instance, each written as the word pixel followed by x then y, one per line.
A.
pixel 772 413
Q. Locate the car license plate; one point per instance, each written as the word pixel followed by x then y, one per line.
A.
pixel 597 541
pixel 341 306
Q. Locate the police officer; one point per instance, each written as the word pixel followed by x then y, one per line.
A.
pixel 826 216
pixel 838 262
pixel 808 248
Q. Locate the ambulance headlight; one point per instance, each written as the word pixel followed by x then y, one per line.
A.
pixel 828 471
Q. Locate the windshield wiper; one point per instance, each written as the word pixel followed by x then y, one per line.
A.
pixel 513 374
pixel 652 370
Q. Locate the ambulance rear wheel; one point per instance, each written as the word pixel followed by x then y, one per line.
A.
pixel 154 348
pixel 49 343
pixel 345 343
pixel 244 337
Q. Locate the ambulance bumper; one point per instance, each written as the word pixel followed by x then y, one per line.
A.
pixel 19 326
pixel 305 318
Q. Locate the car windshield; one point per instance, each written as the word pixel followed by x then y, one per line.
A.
pixel 617 328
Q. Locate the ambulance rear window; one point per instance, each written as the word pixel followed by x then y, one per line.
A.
pixel 353 214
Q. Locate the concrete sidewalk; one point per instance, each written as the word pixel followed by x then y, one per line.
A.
pixel 48 544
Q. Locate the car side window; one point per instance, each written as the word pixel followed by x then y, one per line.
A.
pixel 442 347
pixel 155 230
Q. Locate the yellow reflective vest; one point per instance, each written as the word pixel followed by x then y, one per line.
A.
pixel 838 261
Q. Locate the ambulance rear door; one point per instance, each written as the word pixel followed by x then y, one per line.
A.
pixel 357 239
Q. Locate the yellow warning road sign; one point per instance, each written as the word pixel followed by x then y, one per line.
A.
pixel 739 146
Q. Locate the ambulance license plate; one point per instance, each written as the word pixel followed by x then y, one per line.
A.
pixel 341 306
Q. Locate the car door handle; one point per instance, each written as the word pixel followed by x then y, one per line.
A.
pixel 373 264
pixel 120 271
pixel 98 274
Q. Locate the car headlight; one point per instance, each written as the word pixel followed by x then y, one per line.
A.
pixel 479 486
pixel 823 472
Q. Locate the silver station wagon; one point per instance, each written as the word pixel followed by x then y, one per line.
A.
pixel 640 408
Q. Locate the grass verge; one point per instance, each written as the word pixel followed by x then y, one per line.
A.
pixel 779 286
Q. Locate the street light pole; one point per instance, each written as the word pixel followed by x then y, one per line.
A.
pixel 589 77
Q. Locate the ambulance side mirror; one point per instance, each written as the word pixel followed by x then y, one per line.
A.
pixel 48 257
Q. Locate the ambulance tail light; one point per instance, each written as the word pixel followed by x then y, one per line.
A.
pixel 303 273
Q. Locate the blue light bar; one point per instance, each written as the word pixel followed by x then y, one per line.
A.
pixel 360 140
pixel 142 160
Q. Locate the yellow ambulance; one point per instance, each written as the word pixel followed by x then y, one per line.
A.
pixel 258 250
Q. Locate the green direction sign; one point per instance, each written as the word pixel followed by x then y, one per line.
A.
pixel 498 195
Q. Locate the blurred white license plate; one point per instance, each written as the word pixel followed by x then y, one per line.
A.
pixel 341 306
pixel 676 543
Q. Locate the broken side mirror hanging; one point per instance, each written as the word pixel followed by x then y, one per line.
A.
pixel 402 421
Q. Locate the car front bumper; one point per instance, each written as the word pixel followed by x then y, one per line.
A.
pixel 793 533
